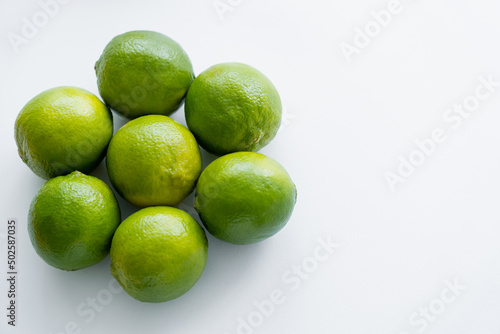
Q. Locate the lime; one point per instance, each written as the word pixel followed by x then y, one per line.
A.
pixel 72 220
pixel 158 254
pixel 153 160
pixel 61 130
pixel 143 72
pixel 233 107
pixel 244 197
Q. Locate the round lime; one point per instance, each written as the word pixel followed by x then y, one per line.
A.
pixel 61 130
pixel 72 220
pixel 233 107
pixel 143 72
pixel 244 197
pixel 153 160
pixel 158 254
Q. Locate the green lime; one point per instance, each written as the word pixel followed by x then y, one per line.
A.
pixel 72 220
pixel 244 197
pixel 158 254
pixel 153 160
pixel 143 72
pixel 61 130
pixel 233 107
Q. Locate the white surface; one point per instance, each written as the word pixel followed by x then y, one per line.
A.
pixel 347 125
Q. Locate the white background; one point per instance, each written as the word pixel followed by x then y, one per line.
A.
pixel 345 126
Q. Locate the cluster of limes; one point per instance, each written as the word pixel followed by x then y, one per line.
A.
pixel 159 252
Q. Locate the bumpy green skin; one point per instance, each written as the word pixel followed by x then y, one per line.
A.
pixel 233 107
pixel 245 197
pixel 72 220
pixel 143 72
pixel 158 254
pixel 61 130
pixel 153 160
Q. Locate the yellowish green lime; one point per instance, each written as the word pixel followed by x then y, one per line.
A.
pixel 244 197
pixel 61 130
pixel 158 254
pixel 153 160
pixel 143 72
pixel 233 107
pixel 72 220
